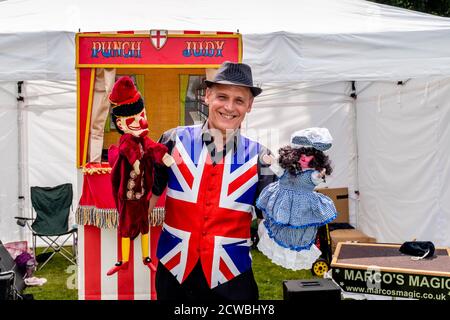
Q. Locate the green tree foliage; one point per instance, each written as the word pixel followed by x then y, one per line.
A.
pixel 436 7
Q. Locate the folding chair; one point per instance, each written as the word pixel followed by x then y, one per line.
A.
pixel 52 206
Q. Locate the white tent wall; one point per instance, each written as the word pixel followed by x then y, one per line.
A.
pixel 49 139
pixel 50 108
pixel 37 56
pixel 9 188
pixel 356 55
pixel 404 163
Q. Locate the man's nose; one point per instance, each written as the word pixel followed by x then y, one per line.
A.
pixel 229 105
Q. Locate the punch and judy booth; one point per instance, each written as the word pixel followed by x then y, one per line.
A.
pixel 168 68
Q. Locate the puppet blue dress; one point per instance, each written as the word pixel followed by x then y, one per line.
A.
pixel 292 210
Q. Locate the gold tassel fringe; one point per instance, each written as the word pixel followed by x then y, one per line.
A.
pixel 101 218
pixel 109 218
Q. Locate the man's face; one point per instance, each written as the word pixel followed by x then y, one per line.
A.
pixel 136 125
pixel 228 105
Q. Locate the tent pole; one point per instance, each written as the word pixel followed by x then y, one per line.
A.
pixel 355 193
pixel 21 159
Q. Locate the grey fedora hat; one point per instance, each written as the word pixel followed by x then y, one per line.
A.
pixel 238 74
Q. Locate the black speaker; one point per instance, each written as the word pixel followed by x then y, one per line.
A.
pixel 7 264
pixel 7 285
pixel 311 289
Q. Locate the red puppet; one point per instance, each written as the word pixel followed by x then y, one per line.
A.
pixel 132 172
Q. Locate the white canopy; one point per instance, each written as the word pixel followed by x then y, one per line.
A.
pixel 391 143
pixel 287 40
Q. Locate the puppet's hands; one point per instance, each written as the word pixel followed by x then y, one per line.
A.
pixel 322 173
pixel 318 177
pixel 136 167
pixel 168 160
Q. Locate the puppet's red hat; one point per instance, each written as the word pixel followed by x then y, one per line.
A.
pixel 124 92
pixel 125 98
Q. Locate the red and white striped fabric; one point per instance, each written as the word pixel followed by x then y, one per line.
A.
pixel 98 251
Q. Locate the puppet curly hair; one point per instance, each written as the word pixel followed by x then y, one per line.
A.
pixel 289 158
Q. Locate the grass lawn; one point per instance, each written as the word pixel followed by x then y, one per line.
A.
pixel 56 288
pixel 268 276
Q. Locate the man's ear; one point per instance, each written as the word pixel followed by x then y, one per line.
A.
pixel 207 95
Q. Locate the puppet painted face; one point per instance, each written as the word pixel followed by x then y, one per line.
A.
pixel 136 125
pixel 304 161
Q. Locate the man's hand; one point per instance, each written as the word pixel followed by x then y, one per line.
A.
pixel 274 166
pixel 268 159
pixel 156 218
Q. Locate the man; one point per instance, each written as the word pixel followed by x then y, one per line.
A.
pixel 204 247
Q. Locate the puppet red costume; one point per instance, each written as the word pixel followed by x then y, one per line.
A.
pixel 131 189
pixel 132 165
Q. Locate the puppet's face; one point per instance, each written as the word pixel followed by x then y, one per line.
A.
pixel 304 161
pixel 136 125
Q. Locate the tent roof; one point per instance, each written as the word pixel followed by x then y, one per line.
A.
pixel 284 40
pixel 249 16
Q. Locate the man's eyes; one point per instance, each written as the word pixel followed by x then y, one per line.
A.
pixel 225 97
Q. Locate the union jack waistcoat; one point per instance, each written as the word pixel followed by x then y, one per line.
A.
pixel 209 208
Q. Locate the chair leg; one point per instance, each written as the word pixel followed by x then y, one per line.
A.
pixel 51 244
pixel 54 247
pixel 33 239
pixel 70 259
pixel 58 248
pixel 48 259
pixel 71 256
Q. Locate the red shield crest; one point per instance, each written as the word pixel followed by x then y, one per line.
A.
pixel 159 38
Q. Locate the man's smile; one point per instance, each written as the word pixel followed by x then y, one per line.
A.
pixel 227 116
